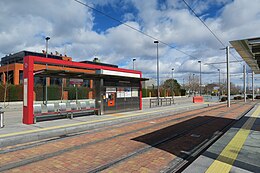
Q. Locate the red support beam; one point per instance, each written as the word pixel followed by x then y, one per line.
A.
pixel 28 82
pixel 141 94
pixel 28 69
pixel 81 65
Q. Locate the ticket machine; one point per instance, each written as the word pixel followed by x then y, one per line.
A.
pixel 111 99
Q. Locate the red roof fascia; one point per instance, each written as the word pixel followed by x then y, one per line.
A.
pixel 80 65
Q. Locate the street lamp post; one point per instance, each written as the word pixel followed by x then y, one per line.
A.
pixel 134 63
pixel 172 83
pixel 47 39
pixel 200 76
pixel 46 88
pixel 244 72
pixel 253 88
pixel 189 85
pixel 193 84
pixel 158 83
pixel 228 77
pixel 219 84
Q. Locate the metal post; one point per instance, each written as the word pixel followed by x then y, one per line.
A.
pixel 200 77
pixel 134 63
pixel 247 82
pixel 253 88
pixel 244 76
pixel 219 84
pixel 76 93
pixel 172 83
pixel 158 82
pixel 189 85
pixel 228 78
pixel 46 87
pixel 62 89
pixel 193 85
pixel 1 118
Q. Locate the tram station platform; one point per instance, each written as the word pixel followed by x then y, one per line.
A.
pixel 238 150
pixel 16 132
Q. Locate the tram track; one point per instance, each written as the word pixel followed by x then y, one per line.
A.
pixel 156 144
pixel 179 165
pixel 59 152
pixel 27 161
pixel 102 129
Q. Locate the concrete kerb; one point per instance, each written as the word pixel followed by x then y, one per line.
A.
pixel 36 136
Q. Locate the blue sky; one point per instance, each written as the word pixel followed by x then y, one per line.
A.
pixel 115 10
pixel 102 23
pixel 84 34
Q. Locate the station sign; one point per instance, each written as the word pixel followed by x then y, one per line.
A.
pixel 76 81
pixel 110 90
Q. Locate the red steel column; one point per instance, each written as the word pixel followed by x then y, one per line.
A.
pixel 28 82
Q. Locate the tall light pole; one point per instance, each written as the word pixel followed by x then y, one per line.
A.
pixel 228 77
pixel 244 77
pixel 193 85
pixel 219 84
pixel 200 76
pixel 172 82
pixel 47 39
pixel 158 83
pixel 253 88
pixel 247 82
pixel 46 87
pixel 189 85
pixel 134 63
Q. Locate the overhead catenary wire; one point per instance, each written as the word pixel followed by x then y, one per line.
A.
pixel 147 35
pixel 133 28
pixel 216 37
pixel 222 62
pixel 203 23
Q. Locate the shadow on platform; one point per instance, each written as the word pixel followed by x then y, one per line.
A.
pixel 185 140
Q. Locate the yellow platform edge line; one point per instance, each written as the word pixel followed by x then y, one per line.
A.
pixel 229 154
pixel 88 122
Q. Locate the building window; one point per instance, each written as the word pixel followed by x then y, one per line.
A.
pixel 55 81
pixel 39 80
pixel 20 77
pixel 2 77
pixel 86 83
pixel 9 77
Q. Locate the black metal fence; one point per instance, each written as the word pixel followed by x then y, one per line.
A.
pixel 161 102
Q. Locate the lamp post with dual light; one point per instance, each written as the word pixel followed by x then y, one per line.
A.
pixel 46 87
pixel 158 82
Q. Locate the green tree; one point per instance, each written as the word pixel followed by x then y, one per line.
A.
pixel 169 83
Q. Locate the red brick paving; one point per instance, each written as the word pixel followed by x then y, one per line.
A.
pixel 92 156
pixel 171 150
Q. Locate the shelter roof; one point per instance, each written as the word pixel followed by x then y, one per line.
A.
pixel 81 75
pixel 249 50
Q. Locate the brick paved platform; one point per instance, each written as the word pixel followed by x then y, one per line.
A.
pixel 237 151
pixel 15 133
pixel 139 145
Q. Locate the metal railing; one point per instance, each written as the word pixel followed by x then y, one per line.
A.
pixel 161 102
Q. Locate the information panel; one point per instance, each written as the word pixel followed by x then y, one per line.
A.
pixel 128 92
pixel 134 92
pixel 120 93
pixel 25 91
